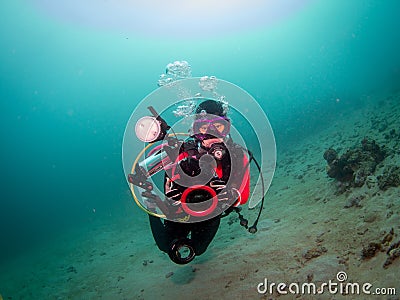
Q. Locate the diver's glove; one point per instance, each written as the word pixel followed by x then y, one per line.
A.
pixel 150 205
pixel 217 184
pixel 175 196
pixel 231 195
pixel 190 146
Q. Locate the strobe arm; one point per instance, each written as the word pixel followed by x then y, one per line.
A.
pixel 164 126
pixel 139 179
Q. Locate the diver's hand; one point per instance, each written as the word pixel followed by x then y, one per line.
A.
pixel 208 143
pixel 229 194
pixel 175 196
pixel 217 184
pixel 189 145
pixel 150 205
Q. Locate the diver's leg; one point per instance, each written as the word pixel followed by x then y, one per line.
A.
pixel 165 233
pixel 159 233
pixel 203 233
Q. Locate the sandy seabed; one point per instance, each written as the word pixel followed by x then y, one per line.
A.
pixel 305 235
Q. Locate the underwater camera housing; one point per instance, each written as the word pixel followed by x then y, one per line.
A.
pixel 218 151
pixel 151 129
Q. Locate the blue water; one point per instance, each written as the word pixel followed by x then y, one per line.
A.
pixel 71 74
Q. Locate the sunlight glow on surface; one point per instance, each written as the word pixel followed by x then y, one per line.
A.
pixel 173 17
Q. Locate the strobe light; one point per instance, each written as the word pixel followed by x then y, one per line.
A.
pixel 150 129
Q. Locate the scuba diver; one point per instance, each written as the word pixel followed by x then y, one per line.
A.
pixel 187 185
pixel 207 176
pixel 210 136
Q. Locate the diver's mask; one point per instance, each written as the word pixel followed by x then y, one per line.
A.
pixel 211 126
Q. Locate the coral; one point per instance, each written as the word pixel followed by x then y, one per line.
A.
pixel 314 252
pixel 330 155
pixel 354 201
pixel 393 246
pixel 393 252
pixel 371 181
pixel 356 164
pixel 388 237
pixel 389 178
pixel 370 250
pixel 373 148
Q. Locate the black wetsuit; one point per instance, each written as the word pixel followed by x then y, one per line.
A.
pixel 201 233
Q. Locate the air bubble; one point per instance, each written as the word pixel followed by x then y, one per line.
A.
pixel 208 83
pixel 175 71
